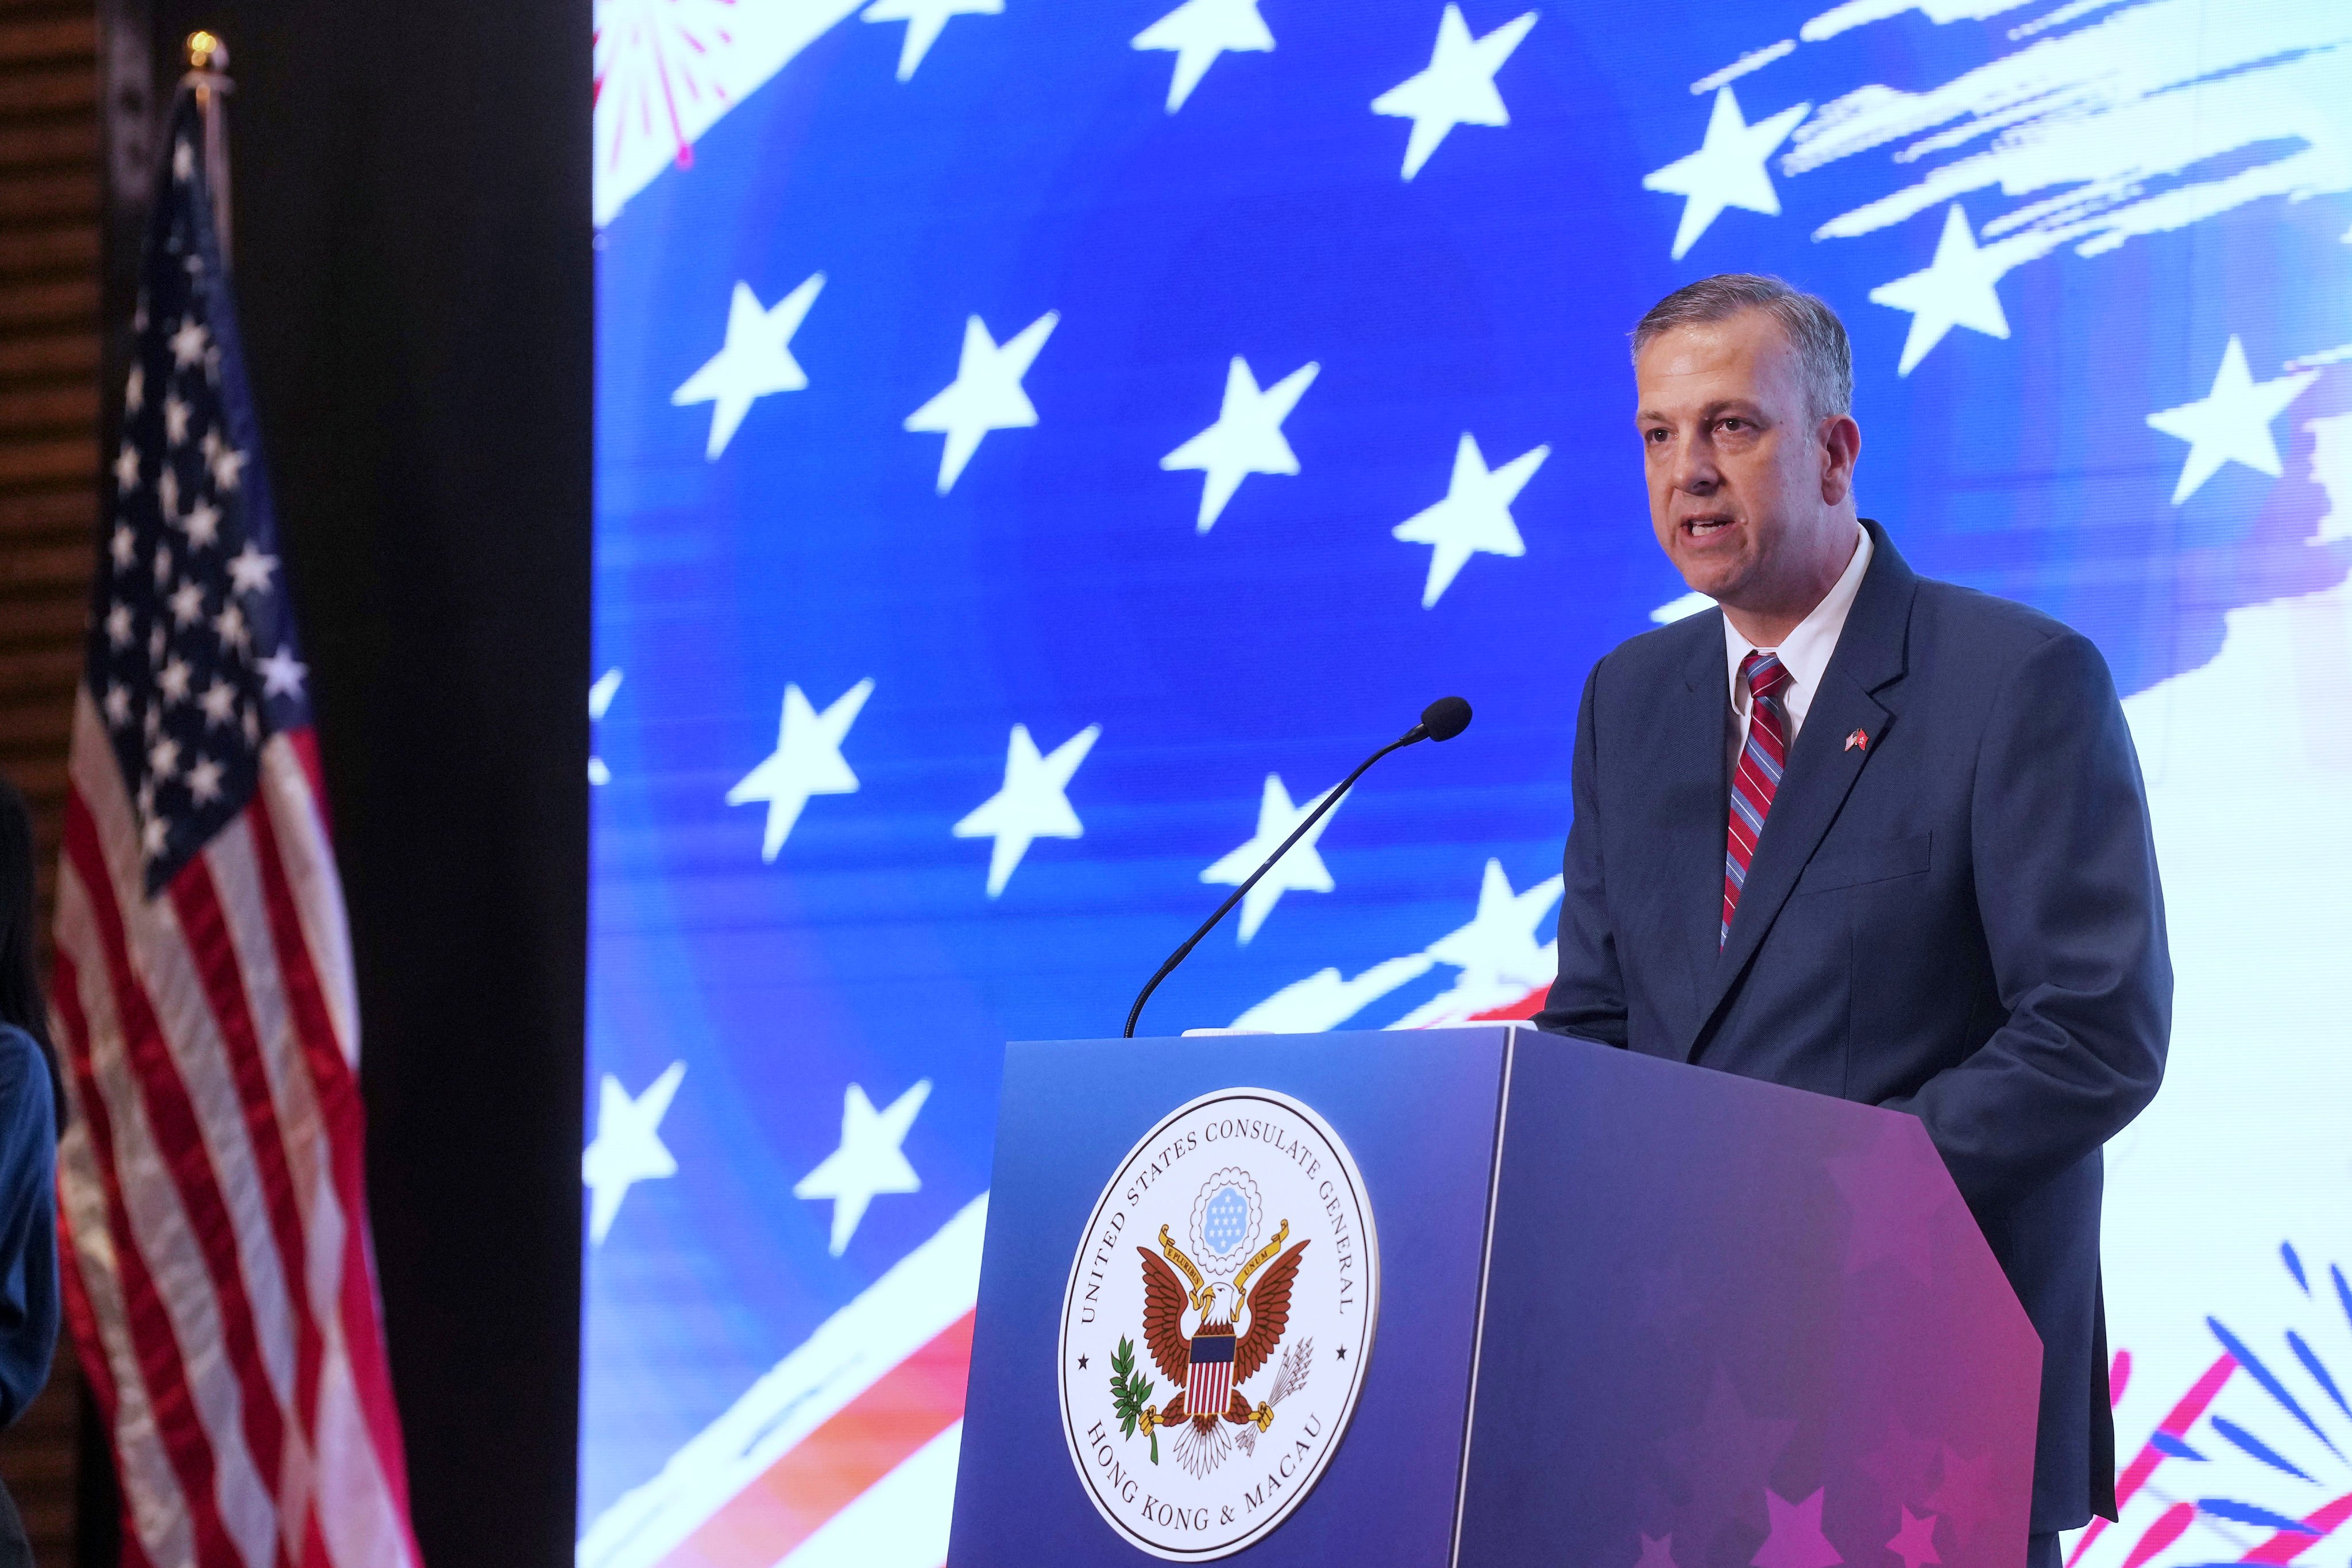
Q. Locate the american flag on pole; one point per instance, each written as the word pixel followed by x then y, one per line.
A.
pixel 218 1278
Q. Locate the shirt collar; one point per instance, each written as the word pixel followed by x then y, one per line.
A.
pixel 1805 652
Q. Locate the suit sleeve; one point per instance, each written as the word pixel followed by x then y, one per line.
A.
pixel 2073 915
pixel 1589 997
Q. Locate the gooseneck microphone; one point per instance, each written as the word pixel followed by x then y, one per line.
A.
pixel 1440 720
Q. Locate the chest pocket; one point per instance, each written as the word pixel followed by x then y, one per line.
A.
pixel 1849 866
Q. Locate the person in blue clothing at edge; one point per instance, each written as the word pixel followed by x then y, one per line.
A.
pixel 31 1105
pixel 1868 834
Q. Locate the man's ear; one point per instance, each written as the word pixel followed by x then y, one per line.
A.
pixel 1841 448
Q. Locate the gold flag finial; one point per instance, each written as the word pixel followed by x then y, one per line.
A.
pixel 206 52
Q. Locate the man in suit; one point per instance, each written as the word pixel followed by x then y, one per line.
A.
pixel 1868 834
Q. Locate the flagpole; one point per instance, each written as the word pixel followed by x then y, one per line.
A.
pixel 208 75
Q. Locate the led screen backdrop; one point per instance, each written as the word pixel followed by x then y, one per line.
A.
pixel 1043 445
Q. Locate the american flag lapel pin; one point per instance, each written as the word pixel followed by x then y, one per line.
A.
pixel 1857 742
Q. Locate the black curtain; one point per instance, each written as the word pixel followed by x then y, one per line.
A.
pixel 413 263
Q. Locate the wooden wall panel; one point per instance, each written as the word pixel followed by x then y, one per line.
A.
pixel 50 197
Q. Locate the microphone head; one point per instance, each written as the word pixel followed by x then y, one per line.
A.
pixel 1445 718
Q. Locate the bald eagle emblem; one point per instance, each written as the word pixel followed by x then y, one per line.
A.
pixel 1235 1330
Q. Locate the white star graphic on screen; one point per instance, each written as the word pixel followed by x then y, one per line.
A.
pixel 1956 291
pixel 1302 869
pixel 986 393
pixel 600 698
pixel 1474 516
pixel 1457 88
pixel 1500 944
pixel 1199 31
pixel 1031 806
pixel 806 761
pixel 2231 423
pixel 628 1147
pixel 1727 171
pixel 282 674
pixel 1246 438
pixel 925 20
pixel 756 359
pixel 869 1161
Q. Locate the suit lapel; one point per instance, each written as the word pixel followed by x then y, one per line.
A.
pixel 1822 767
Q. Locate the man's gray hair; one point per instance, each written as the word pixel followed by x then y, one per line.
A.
pixel 1823 351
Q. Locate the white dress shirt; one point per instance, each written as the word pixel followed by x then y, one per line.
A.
pixel 1804 653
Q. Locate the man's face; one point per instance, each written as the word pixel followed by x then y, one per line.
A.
pixel 1746 488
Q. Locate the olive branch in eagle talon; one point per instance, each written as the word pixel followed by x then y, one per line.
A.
pixel 1177 1354
pixel 1127 1393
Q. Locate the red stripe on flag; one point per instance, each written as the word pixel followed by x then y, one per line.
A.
pixel 345 1122
pixel 173 1123
pixel 827 1471
pixel 196 901
pixel 177 1424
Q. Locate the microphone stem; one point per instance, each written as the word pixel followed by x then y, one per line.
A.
pixel 1418 732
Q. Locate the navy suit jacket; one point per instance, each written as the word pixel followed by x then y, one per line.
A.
pixel 1960 919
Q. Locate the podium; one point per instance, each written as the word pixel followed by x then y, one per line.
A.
pixel 1478 1296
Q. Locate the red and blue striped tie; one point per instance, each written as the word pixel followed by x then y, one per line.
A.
pixel 1758 776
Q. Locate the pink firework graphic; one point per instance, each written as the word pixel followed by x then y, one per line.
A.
pixel 2249 1463
pixel 656 70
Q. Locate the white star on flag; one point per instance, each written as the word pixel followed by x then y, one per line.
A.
pixel 201 525
pixel 806 761
pixel 282 674
pixel 869 1161
pixel 126 468
pixel 1246 438
pixel 249 569
pixel 1956 291
pixel 755 360
pixel 628 1147
pixel 2231 423
pixel 1301 870
pixel 1032 804
pixel 1474 516
pixel 1199 31
pixel 986 393
pixel 188 343
pixel 1456 88
pixel 1727 170
pixel 925 19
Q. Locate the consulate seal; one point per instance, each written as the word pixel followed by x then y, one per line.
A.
pixel 1219 1316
